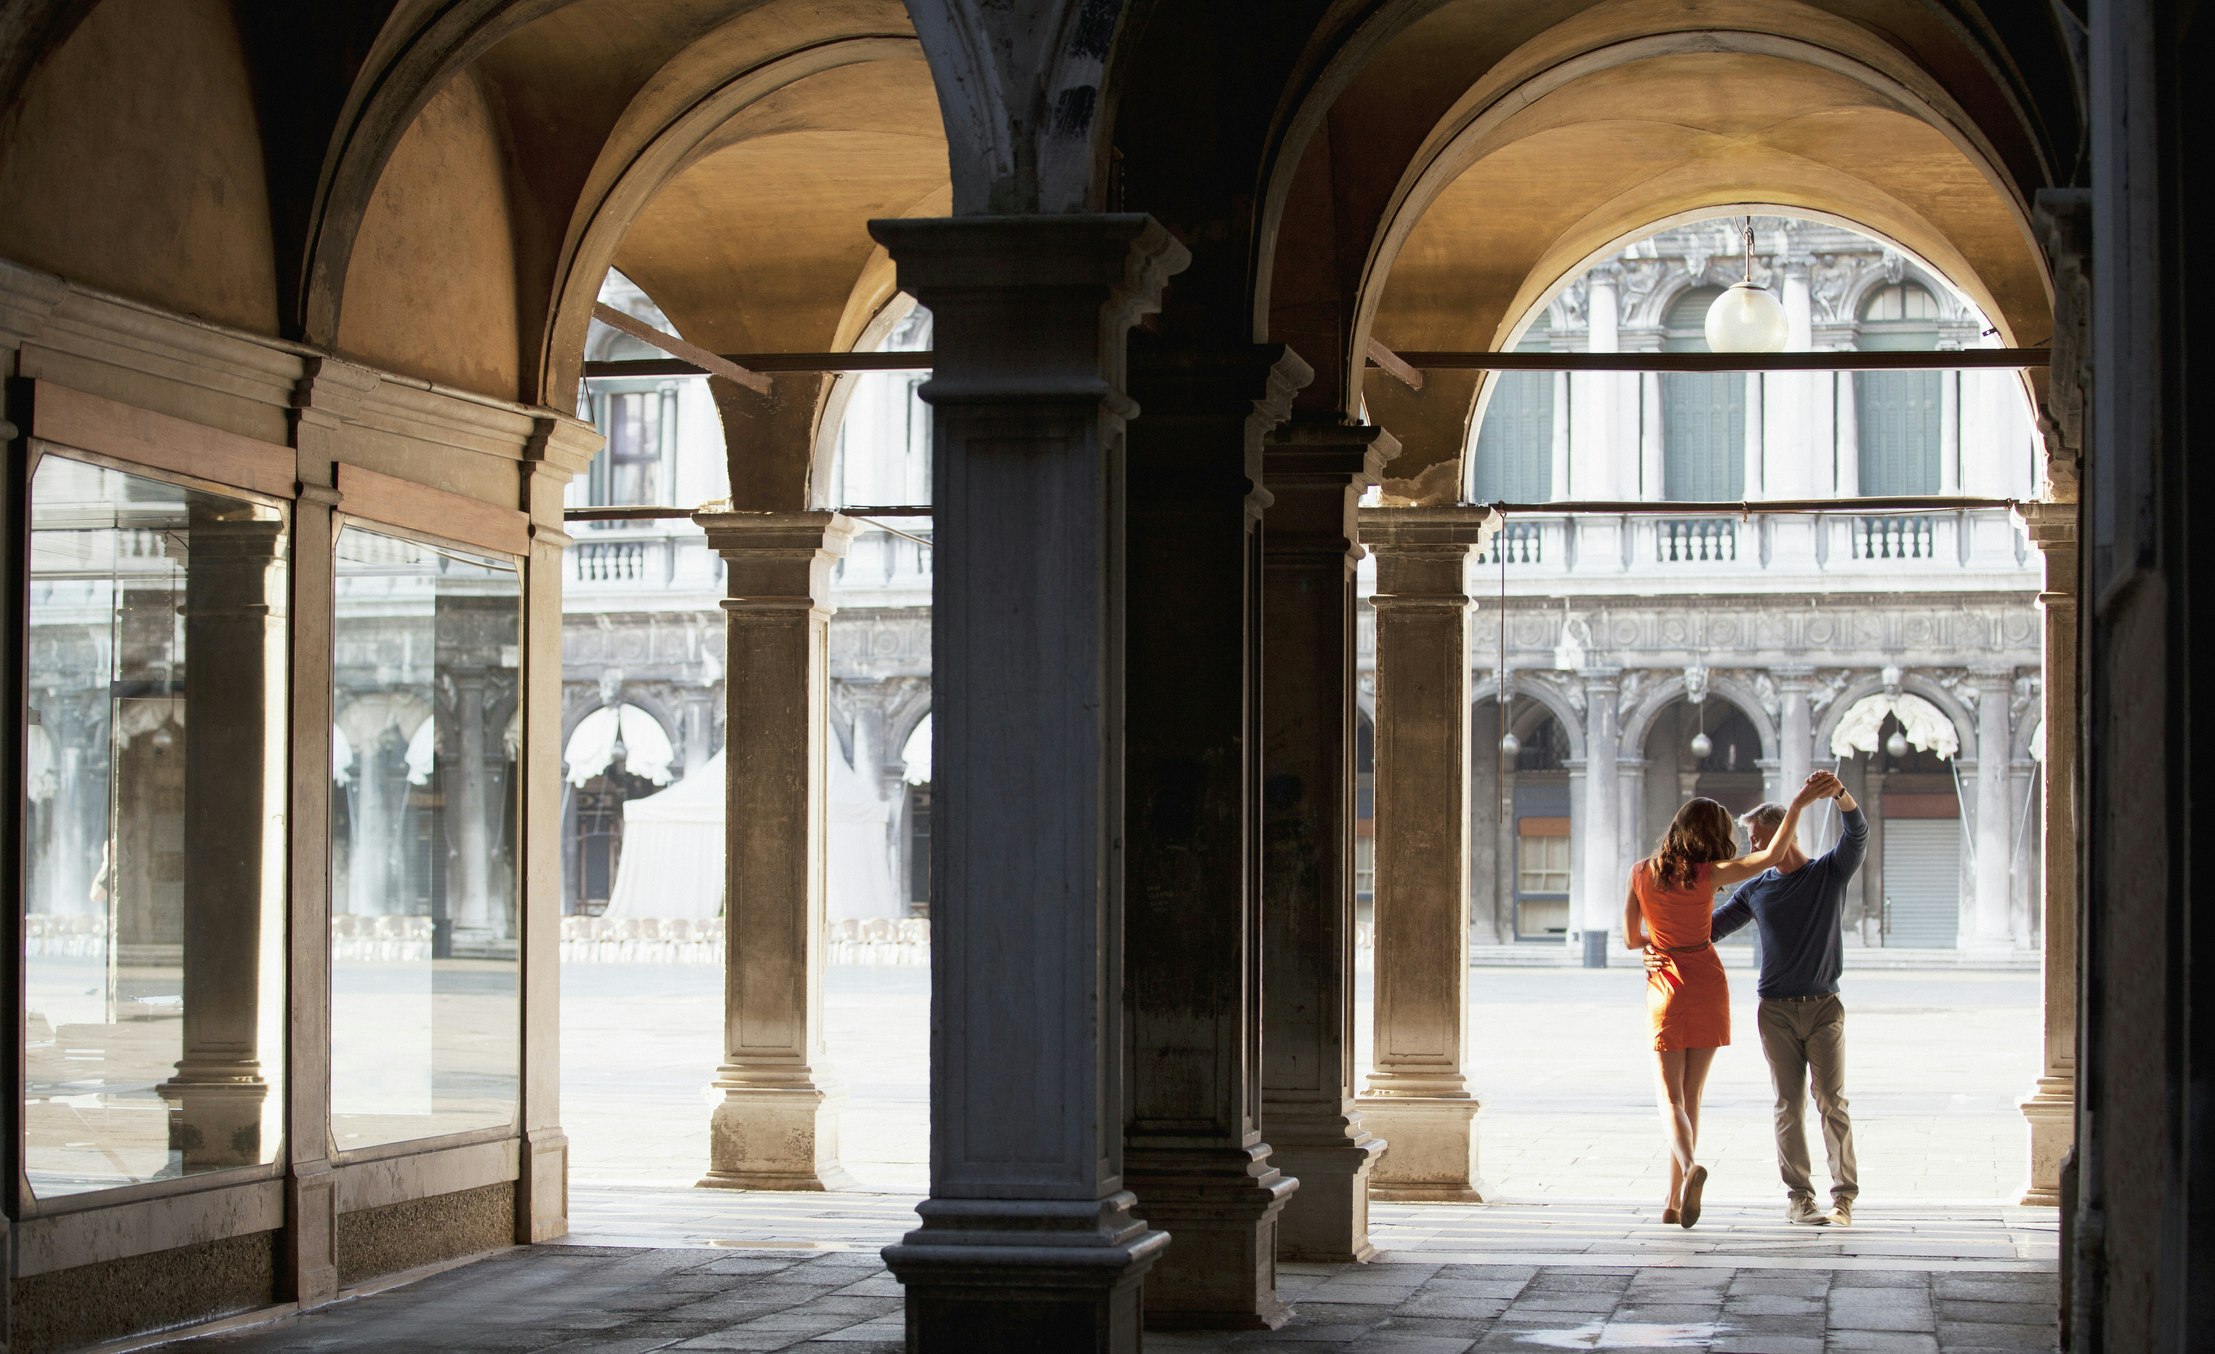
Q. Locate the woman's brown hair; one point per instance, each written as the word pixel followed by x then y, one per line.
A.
pixel 1700 834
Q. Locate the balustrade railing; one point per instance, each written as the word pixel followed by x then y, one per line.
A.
pixel 1517 543
pixel 1894 537
pixel 608 561
pixel 1687 540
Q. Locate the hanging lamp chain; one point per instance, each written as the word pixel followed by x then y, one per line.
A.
pixel 1749 238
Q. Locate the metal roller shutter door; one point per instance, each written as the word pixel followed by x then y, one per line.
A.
pixel 1922 882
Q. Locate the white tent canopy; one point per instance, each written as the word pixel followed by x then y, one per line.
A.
pixel 672 862
pixel 592 746
pixel 1925 725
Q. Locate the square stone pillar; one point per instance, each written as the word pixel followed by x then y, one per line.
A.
pixel 559 450
pixel 1029 1239
pixel 329 392
pixel 1417 1097
pixel 222 1110
pixel 776 1126
pixel 1192 980
pixel 2051 1105
pixel 1316 473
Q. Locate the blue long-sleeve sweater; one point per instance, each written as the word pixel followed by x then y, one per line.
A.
pixel 1799 917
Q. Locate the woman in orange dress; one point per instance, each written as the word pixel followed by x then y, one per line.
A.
pixel 1667 914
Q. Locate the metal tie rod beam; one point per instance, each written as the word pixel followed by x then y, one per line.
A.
pixel 1950 359
pixel 1409 366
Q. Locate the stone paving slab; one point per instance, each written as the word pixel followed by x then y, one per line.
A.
pixel 736 1270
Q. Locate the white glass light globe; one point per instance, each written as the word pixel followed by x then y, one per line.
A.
pixel 1510 744
pixel 1702 746
pixel 1896 744
pixel 1746 319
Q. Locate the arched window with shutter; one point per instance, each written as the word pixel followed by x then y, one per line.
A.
pixel 1515 442
pixel 1898 410
pixel 1703 414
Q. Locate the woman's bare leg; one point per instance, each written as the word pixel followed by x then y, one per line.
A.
pixel 1669 1097
pixel 1697 1061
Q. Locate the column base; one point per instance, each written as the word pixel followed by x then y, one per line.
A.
pixel 2052 1112
pixel 542 1187
pixel 217 1121
pixel 775 1137
pixel 1026 1274
pixel 1434 1148
pixel 1221 1205
pixel 1327 1221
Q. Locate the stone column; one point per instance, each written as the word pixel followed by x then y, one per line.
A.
pixel 469 877
pixel 1994 688
pixel 1796 742
pixel 1599 894
pixel 776 1126
pixel 1029 1238
pixel 221 1108
pixel 2051 1105
pixel 1193 1150
pixel 1316 472
pixel 1849 436
pixel 1417 1097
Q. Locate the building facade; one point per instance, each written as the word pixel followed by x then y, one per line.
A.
pixel 1649 658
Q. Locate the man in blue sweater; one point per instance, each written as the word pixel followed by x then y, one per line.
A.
pixel 1798 906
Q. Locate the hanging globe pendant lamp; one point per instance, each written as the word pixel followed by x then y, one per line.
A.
pixel 1747 318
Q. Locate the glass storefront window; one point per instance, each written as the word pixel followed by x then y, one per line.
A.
pixel 426 1024
pixel 154 835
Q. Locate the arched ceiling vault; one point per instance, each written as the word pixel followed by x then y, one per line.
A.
pixel 725 155
pixel 1476 155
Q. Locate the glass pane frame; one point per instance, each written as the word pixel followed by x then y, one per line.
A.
pixel 513 819
pixel 277 984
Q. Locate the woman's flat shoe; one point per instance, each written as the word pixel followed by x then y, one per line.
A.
pixel 1668 1215
pixel 1694 1180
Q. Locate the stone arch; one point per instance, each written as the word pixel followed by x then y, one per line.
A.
pixel 1998 167
pixel 406 69
pixel 824 445
pixel 1543 696
pixel 1869 684
pixel 1670 689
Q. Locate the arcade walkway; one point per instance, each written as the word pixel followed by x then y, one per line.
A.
pixel 687 1270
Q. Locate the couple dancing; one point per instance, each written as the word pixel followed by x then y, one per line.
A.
pixel 1671 916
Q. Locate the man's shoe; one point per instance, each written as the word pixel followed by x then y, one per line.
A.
pixel 1802 1210
pixel 1841 1213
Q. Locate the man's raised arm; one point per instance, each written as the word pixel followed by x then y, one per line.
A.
pixel 1853 845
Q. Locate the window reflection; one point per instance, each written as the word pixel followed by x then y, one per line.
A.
pixel 425 1001
pixel 153 830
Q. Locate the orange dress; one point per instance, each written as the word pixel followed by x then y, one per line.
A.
pixel 1688 999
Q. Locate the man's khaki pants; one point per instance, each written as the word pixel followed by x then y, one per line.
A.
pixel 1804 1039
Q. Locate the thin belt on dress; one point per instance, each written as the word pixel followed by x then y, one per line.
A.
pixel 1686 949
